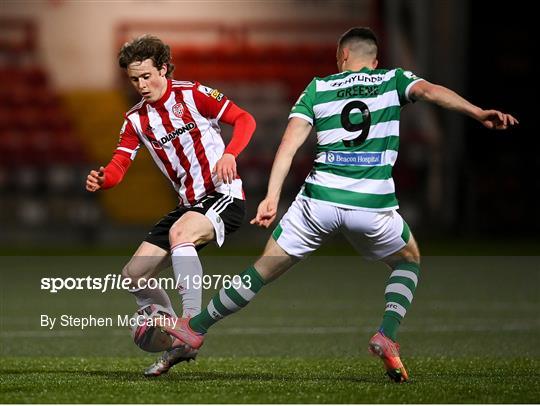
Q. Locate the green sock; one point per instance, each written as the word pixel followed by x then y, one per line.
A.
pixel 228 301
pixel 399 295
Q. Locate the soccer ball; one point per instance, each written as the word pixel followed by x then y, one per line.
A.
pixel 147 336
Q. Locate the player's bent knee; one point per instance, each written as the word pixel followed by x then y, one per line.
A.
pixel 192 227
pixel 180 234
pixel 412 257
pixel 134 273
pixel 411 254
pixel 127 274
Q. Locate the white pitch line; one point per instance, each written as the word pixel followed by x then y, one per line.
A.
pixel 234 331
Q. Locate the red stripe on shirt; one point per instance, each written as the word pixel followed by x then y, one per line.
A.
pixel 147 131
pixel 167 124
pixel 198 147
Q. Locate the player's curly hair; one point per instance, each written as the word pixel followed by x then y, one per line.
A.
pixel 146 47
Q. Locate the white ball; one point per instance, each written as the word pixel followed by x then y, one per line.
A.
pixel 145 334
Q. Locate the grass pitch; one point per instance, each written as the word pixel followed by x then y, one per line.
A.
pixel 471 336
pixel 268 380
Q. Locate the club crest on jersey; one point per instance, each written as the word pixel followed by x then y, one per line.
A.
pixel 409 75
pixel 178 110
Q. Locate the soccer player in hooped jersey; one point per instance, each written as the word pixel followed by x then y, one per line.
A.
pixel 177 122
pixel 356 115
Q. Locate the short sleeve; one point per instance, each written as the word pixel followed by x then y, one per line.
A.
pixel 210 102
pixel 303 107
pixel 404 81
pixel 128 143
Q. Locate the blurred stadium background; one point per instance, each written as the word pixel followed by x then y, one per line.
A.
pixel 473 331
pixel 63 99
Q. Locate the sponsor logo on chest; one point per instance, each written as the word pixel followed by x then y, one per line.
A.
pixel 160 142
pixel 354 158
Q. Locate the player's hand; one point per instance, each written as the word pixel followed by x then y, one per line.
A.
pixel 266 213
pixel 95 179
pixel 495 120
pixel 226 168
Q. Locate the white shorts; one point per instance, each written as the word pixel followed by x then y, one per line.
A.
pixel 308 224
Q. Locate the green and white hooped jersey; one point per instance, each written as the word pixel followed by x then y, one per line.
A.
pixel 356 116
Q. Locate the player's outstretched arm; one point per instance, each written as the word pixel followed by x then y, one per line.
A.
pixel 109 176
pixel 295 135
pixel 448 99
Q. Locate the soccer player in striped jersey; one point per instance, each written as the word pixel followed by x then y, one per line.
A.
pixel 177 121
pixel 356 115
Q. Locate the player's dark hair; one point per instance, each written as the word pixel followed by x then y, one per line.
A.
pixel 358 33
pixel 146 47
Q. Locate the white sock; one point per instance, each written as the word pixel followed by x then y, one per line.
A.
pixel 146 296
pixel 186 265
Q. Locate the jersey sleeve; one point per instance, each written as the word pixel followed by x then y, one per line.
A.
pixel 211 103
pixel 128 143
pixel 303 107
pixel 404 81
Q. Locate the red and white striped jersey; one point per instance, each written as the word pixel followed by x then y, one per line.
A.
pixel 182 134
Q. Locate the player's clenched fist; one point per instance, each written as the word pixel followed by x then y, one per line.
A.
pixel 95 179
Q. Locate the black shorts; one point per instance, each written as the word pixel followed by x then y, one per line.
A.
pixel 225 212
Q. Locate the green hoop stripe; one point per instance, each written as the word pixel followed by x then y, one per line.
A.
pixel 235 297
pixel 333 122
pixel 404 281
pixel 277 232
pixel 220 307
pixel 407 266
pixel 393 314
pixel 256 281
pixel 356 172
pixel 326 96
pixel 367 200
pixel 398 298
pixel 406 233
pixel 375 144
